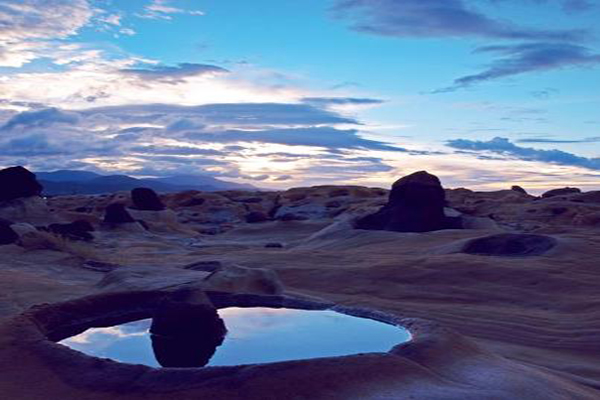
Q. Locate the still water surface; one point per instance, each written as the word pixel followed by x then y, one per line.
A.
pixel 254 335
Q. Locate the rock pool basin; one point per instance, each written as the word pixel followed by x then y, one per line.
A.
pixel 254 335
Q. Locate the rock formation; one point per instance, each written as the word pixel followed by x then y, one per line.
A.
pixel 560 192
pixel 78 230
pixel 7 234
pixel 18 182
pixel 116 213
pixel 146 199
pixel 519 189
pixel 416 204
pixel 510 245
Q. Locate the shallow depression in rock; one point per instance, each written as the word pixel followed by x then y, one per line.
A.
pixel 254 335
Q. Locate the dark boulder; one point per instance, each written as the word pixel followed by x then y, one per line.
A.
pixel 416 204
pixel 519 189
pixel 510 245
pixel 18 182
pixel 116 213
pixel 256 216
pixel 560 192
pixel 186 335
pixel 7 234
pixel 146 199
pixel 78 230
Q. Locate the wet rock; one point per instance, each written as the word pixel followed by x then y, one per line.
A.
pixel 116 213
pixel 146 199
pixel 78 230
pixel 7 234
pixel 510 245
pixel 416 204
pixel 256 217
pixel 18 182
pixel 560 192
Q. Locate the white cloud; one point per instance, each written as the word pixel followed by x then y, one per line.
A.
pixel 25 25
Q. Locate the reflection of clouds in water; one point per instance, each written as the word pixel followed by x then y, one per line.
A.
pixel 104 337
pixel 243 323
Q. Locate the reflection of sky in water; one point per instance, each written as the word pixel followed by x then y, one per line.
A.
pixel 255 335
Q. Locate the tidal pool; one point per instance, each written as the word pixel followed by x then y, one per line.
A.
pixel 254 335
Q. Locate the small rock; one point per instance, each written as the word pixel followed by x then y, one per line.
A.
pixel 116 213
pixel 146 199
pixel 519 189
pixel 78 230
pixel 256 217
pixel 7 234
pixel 274 245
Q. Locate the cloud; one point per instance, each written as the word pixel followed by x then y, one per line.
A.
pixel 40 118
pixel 437 18
pixel 526 58
pixel 26 24
pixel 505 147
pixel 324 137
pixel 230 140
pixel 341 101
pixel 162 9
pixel 563 141
pixel 173 75
pixel 232 114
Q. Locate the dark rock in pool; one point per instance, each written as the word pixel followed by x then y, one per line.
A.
pixel 560 192
pixel 116 213
pixel 519 189
pixel 186 335
pixel 256 217
pixel 510 245
pixel 7 234
pixel 146 199
pixel 18 182
pixel 78 230
pixel 274 245
pixel 416 204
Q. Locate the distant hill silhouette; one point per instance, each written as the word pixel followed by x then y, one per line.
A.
pixel 65 182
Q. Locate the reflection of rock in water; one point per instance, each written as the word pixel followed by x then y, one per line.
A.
pixel 186 335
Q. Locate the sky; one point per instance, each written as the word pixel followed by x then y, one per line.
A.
pixel 284 93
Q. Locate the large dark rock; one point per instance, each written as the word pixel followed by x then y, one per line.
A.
pixel 146 199
pixel 7 234
pixel 186 335
pixel 116 213
pixel 18 182
pixel 560 192
pixel 416 204
pixel 510 245
pixel 78 230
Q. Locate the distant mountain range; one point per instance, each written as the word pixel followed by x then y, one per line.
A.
pixel 65 182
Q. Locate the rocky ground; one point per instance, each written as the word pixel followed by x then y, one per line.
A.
pixel 522 305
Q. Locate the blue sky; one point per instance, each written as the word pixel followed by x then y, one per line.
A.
pixel 280 93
